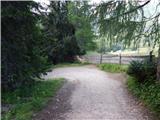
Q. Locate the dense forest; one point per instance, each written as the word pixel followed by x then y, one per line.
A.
pixel 32 40
pixel 34 36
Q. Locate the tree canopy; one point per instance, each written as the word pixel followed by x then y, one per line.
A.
pixel 34 36
pixel 22 57
pixel 125 21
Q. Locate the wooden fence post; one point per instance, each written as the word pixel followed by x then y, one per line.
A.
pixel 101 58
pixel 120 57
pixel 158 65
pixel 150 56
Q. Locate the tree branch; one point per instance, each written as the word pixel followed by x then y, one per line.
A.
pixel 128 12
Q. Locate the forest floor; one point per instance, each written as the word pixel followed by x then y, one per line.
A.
pixel 92 94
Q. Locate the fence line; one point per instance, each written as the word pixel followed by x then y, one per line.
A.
pixel 121 59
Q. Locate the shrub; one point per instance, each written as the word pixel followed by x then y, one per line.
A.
pixel 148 92
pixel 108 67
pixel 27 100
pixel 142 70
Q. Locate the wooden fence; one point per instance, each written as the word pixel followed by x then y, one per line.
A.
pixel 114 58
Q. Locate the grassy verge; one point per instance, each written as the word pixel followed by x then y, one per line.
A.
pixel 29 99
pixel 114 68
pixel 70 64
pixel 148 92
pixel 67 64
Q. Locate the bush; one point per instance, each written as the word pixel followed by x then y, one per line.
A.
pixel 108 67
pixel 27 100
pixel 148 92
pixel 142 70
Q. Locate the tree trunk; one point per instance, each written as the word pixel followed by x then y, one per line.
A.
pixel 102 49
pixel 158 66
pixel 101 58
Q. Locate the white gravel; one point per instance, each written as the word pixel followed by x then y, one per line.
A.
pixel 98 95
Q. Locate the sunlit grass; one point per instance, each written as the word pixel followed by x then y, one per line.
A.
pixel 114 68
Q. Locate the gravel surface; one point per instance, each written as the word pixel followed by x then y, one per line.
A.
pixel 91 94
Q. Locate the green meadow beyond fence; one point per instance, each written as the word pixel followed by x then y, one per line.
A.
pixel 119 59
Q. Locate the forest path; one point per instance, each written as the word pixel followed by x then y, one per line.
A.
pixel 91 94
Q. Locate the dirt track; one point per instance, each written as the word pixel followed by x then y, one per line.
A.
pixel 91 94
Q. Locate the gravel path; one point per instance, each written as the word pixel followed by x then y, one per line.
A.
pixel 91 94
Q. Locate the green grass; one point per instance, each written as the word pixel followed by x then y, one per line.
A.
pixel 148 92
pixel 29 99
pixel 113 68
pixel 69 64
pixel 92 53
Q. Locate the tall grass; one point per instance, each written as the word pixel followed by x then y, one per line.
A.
pixel 114 68
pixel 29 99
pixel 148 92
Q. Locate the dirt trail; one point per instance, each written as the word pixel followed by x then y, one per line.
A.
pixel 91 94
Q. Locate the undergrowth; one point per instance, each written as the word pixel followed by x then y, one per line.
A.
pixel 114 68
pixel 29 99
pixel 148 92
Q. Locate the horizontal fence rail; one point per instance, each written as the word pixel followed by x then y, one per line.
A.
pixel 113 58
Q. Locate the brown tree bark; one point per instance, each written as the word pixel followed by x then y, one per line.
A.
pixel 158 66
